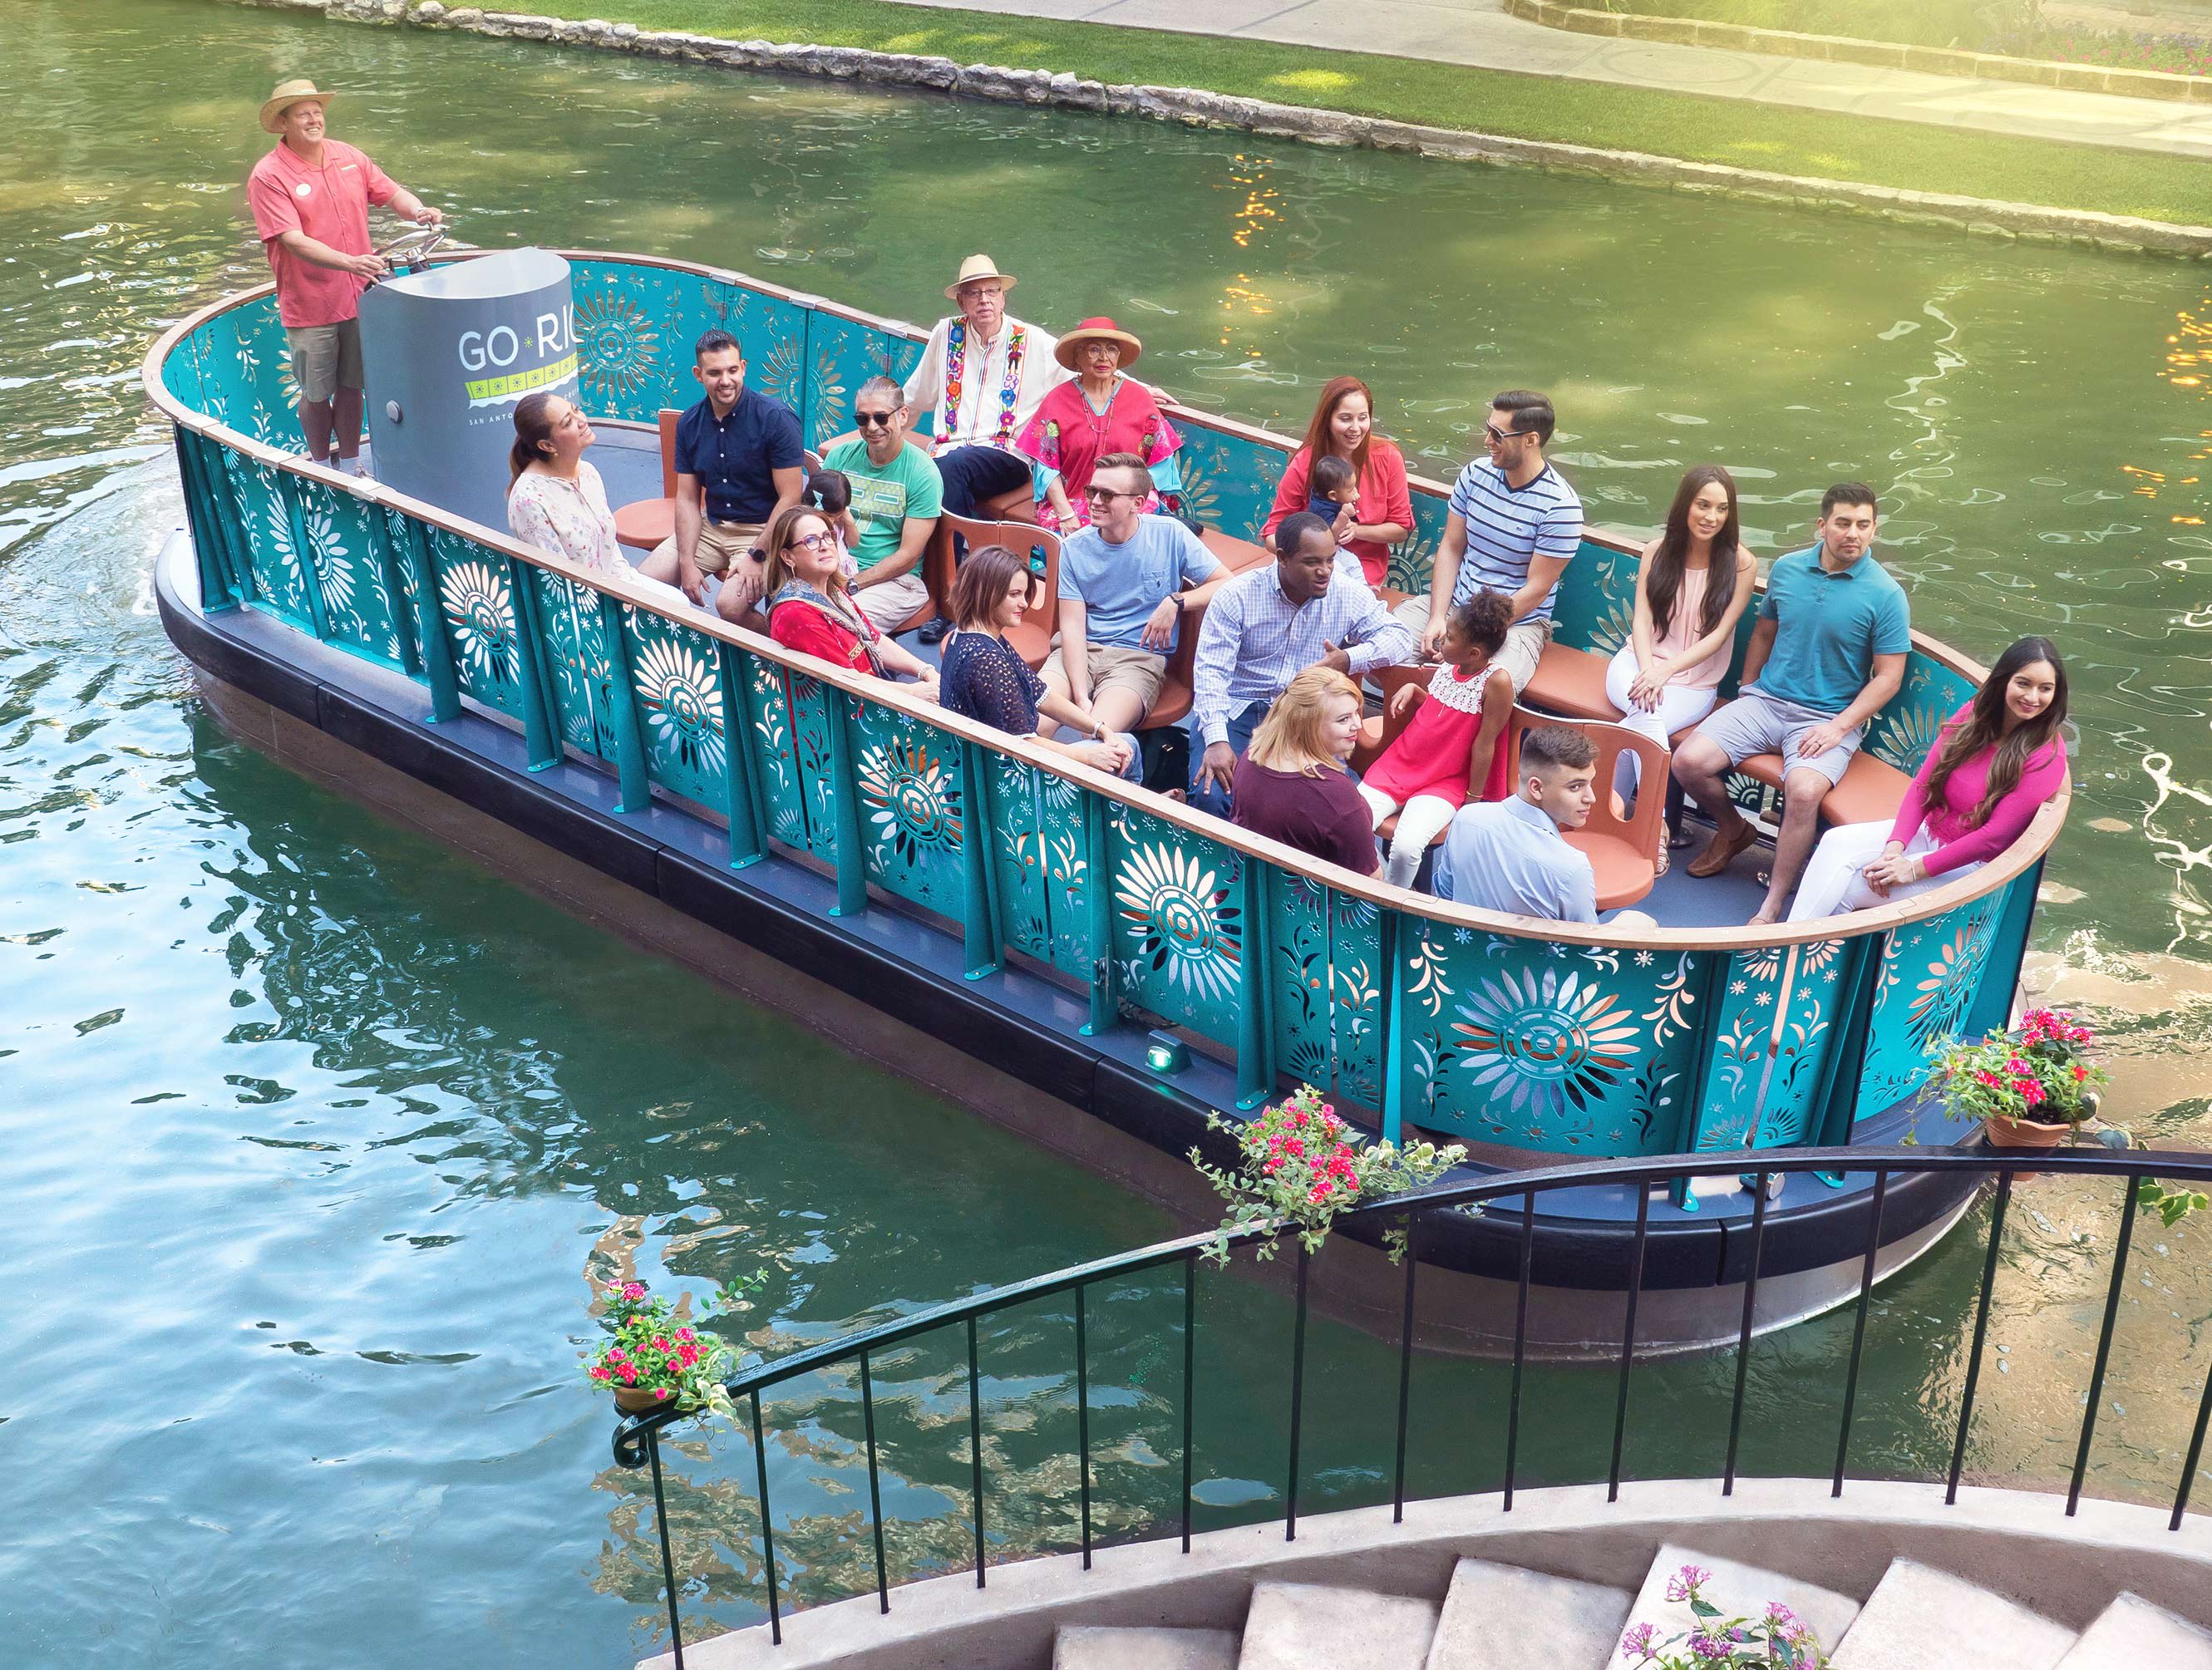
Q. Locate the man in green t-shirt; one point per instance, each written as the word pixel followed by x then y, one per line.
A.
pixel 898 496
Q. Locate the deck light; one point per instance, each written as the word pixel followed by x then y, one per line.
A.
pixel 1165 1053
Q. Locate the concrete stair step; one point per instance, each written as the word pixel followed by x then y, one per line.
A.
pixel 1299 1626
pixel 1918 1616
pixel 2132 1634
pixel 1098 1647
pixel 1506 1618
pixel 1738 1588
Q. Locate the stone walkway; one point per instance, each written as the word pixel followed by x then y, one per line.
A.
pixel 1478 33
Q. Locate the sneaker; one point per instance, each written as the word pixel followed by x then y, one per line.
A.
pixel 933 632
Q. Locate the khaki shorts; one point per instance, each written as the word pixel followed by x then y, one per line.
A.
pixel 891 603
pixel 1139 671
pixel 325 358
pixel 1524 641
pixel 721 545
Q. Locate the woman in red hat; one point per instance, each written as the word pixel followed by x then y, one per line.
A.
pixel 1101 412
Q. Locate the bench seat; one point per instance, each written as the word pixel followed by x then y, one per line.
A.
pixel 1870 792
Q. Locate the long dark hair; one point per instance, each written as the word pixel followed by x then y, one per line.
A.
pixel 1663 584
pixel 1984 728
pixel 532 429
pixel 1318 444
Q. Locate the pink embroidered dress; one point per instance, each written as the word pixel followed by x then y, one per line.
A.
pixel 1431 754
pixel 1070 436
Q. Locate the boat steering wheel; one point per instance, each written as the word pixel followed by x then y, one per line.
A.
pixel 411 250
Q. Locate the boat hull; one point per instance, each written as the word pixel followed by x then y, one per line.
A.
pixel 1012 1044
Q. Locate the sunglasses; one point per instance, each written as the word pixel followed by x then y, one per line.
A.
pixel 872 420
pixel 1498 437
pixel 1104 495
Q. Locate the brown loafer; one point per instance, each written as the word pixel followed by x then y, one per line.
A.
pixel 1720 852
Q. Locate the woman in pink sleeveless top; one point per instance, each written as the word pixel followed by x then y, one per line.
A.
pixel 1691 588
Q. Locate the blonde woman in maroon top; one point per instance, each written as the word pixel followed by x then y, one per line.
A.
pixel 1292 785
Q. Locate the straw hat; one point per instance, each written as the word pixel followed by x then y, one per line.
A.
pixel 1101 329
pixel 975 267
pixel 287 94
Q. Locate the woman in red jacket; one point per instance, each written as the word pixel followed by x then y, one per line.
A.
pixel 810 610
pixel 1382 515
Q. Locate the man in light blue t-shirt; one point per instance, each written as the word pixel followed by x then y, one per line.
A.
pixel 1829 650
pixel 1121 593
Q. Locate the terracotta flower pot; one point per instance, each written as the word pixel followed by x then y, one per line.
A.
pixel 2003 1131
pixel 637 1400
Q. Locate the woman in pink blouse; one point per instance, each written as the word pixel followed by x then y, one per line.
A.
pixel 1998 759
pixel 1382 515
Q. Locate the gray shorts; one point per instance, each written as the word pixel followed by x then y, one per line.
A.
pixel 1757 723
pixel 325 358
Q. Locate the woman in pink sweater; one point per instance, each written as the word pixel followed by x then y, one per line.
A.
pixel 1994 764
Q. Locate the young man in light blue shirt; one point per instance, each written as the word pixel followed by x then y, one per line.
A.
pixel 1829 650
pixel 1121 596
pixel 1513 856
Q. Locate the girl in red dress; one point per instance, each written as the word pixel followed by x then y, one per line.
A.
pixel 1450 749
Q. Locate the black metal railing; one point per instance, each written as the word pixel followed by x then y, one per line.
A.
pixel 637 1439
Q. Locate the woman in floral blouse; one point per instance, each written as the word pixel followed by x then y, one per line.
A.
pixel 1101 412
pixel 556 500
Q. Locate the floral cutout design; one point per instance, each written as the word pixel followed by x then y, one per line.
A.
pixel 480 609
pixel 1536 1043
pixel 912 797
pixel 682 696
pixel 1181 923
pixel 617 348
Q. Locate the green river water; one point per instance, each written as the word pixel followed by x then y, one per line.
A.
pixel 311 1134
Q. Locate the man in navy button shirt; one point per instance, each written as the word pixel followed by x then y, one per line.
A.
pixel 740 462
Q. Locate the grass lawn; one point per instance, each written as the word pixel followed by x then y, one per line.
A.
pixel 1905 154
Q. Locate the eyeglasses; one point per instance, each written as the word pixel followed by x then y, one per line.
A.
pixel 870 420
pixel 814 542
pixel 1497 437
pixel 1105 496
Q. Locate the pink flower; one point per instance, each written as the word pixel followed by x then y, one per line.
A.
pixel 1684 1583
pixel 633 1291
pixel 1297 1148
pixel 683 1333
pixel 601 1374
pixel 1637 1643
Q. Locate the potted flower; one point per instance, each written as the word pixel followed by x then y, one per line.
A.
pixel 1299 1165
pixel 2032 1087
pixel 1716 1641
pixel 654 1357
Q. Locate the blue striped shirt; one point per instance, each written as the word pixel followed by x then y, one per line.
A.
pixel 1508 526
pixel 1254 641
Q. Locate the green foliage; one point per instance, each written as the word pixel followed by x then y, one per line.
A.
pixel 1299 1165
pixel 2172 1204
pixel 1909 156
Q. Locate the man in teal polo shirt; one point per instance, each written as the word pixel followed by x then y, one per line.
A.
pixel 897 497
pixel 1828 651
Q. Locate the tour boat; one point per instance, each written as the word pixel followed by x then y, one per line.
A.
pixel 1144 965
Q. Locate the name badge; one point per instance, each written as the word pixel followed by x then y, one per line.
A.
pixel 303 190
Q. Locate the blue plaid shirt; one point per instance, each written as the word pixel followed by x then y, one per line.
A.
pixel 1254 641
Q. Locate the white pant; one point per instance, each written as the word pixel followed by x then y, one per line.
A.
pixel 1678 705
pixel 1832 883
pixel 1418 824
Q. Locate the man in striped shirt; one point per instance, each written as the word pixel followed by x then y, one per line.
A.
pixel 1264 628
pixel 1515 525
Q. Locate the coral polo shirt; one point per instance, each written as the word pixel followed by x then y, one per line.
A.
pixel 330 206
